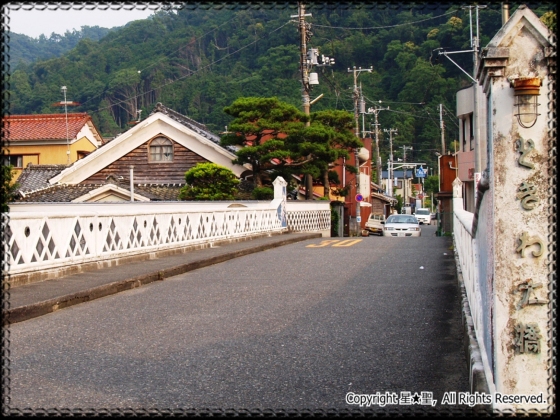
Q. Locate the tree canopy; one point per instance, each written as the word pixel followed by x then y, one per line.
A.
pixel 199 60
pixel 259 130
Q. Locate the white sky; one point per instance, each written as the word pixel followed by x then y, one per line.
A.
pixel 44 18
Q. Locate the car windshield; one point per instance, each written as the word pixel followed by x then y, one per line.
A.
pixel 402 219
pixel 426 212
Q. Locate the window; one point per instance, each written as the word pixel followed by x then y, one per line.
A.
pixel 161 150
pixel 15 160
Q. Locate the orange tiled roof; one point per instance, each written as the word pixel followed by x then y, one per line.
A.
pixel 43 126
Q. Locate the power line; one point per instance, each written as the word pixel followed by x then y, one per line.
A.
pixel 194 72
pixel 385 27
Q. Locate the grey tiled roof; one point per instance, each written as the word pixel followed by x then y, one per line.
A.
pixel 186 121
pixel 35 177
pixel 58 193
pixel 157 192
pixel 61 193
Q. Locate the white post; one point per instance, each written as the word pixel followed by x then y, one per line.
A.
pixel 131 182
pixel 279 201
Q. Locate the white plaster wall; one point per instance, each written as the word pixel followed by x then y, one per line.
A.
pixel 517 373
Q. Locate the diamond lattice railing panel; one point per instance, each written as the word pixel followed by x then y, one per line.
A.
pixel 78 243
pixel 172 233
pixel 308 221
pixel 13 254
pixel 45 248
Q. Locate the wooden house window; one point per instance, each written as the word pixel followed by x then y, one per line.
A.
pixel 161 150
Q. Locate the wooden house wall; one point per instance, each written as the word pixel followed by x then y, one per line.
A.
pixel 377 206
pixel 150 172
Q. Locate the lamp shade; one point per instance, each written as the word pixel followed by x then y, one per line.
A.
pixel 526 92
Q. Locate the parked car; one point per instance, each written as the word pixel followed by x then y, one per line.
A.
pixel 402 225
pixel 423 215
pixel 374 223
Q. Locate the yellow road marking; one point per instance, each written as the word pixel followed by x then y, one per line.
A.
pixel 335 242
pixel 348 242
pixel 323 243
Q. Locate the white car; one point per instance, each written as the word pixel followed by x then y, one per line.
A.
pixel 423 216
pixel 402 225
pixel 374 223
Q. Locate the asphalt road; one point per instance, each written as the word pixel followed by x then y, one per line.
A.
pixel 293 328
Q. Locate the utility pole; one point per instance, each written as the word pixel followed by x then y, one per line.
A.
pixel 305 35
pixel 308 59
pixel 356 96
pixel 404 172
pixel 375 111
pixel 442 129
pixel 475 41
pixel 390 163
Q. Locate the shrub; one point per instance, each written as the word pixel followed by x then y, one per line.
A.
pixel 263 193
pixel 209 181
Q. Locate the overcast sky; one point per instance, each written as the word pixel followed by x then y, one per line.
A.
pixel 30 20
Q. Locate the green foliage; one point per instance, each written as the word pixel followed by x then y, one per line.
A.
pixel 259 128
pixel 200 60
pixel 328 138
pixel 431 184
pixel 209 181
pixel 399 204
pixel 8 187
pixel 25 50
pixel 549 19
pixel 335 220
pixel 263 193
pixel 342 192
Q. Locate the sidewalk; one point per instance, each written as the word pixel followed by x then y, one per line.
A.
pixel 35 299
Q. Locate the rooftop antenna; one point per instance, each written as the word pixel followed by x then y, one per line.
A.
pixel 63 88
pixel 66 104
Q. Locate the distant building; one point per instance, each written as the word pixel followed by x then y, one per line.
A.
pixel 146 163
pixel 48 139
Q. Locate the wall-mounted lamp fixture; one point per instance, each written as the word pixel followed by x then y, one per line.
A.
pixel 526 91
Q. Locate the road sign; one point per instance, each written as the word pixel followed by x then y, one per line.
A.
pixel 359 197
pixel 420 172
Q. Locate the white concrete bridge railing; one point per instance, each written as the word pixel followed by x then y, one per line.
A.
pixel 471 267
pixel 46 236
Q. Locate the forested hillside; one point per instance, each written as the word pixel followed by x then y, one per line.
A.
pixel 25 50
pixel 199 60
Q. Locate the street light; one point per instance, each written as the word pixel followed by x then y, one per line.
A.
pixel 526 91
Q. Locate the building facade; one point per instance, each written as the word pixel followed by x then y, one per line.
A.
pixel 48 139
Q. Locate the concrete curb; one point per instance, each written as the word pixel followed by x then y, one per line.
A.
pixel 23 313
